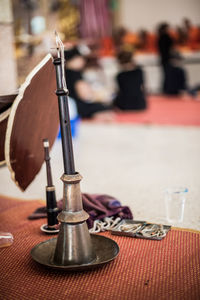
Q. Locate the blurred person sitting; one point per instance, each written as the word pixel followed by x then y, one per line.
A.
pixel 123 37
pixel 118 37
pixel 195 92
pixel 95 76
pixel 198 35
pixel 130 38
pixel 176 80
pixel 106 47
pixel 181 36
pixel 147 41
pixel 192 34
pixel 130 82
pixel 175 76
pixel 81 91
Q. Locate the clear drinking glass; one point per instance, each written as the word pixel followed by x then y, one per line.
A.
pixel 174 203
pixel 6 239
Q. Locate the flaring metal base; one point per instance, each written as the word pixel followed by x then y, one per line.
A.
pixel 106 250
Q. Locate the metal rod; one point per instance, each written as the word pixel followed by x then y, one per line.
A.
pixel 47 160
pixel 67 147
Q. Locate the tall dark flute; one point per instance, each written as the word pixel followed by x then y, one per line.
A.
pixel 67 147
pixel 52 210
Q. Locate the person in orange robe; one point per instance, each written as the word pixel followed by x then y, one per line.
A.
pixel 130 38
pixel 192 34
pixel 107 47
pixel 147 41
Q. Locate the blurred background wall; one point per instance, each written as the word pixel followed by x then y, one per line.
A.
pixel 147 14
pixel 27 32
pixel 8 73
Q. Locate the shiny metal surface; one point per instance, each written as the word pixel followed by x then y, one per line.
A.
pixel 73 245
pixel 105 249
pixel 74 248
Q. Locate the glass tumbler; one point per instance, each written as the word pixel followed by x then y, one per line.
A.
pixel 174 203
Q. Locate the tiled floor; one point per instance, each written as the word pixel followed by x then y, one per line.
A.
pixel 134 163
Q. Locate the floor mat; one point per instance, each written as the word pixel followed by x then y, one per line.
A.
pixel 164 111
pixel 144 269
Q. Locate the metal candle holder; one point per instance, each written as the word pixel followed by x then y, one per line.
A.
pixel 75 248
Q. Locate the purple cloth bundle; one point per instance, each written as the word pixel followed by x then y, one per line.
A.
pixel 97 206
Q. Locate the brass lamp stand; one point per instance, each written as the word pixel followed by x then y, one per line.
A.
pixel 74 248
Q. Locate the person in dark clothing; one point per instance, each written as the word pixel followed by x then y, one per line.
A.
pixel 175 76
pixel 165 47
pixel 195 92
pixel 130 83
pixel 165 43
pixel 80 91
pixel 176 79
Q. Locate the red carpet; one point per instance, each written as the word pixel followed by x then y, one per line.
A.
pixel 144 269
pixel 165 111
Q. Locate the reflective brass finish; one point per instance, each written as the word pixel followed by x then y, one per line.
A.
pixel 106 250
pixel 72 202
pixel 74 248
pixel 74 245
